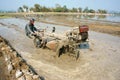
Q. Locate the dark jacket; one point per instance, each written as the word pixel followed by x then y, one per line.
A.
pixel 29 28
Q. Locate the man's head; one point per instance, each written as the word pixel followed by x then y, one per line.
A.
pixel 32 21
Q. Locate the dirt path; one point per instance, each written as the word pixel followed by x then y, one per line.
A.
pixel 100 62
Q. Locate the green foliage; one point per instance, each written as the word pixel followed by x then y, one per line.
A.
pixel 23 9
pixel 80 9
pixel 102 11
pixel 91 11
pixel 20 9
pixel 61 9
pixel 86 10
pixel 37 8
pixel 45 9
pixel 65 9
pixel 26 8
pixel 58 8
pixel 74 10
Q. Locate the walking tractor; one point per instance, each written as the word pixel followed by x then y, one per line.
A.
pixel 71 42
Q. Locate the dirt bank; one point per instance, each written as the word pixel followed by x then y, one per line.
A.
pixel 3 74
pixel 100 62
pixel 13 66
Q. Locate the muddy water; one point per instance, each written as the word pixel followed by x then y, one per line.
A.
pixel 100 62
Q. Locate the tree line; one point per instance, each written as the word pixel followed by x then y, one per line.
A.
pixel 58 8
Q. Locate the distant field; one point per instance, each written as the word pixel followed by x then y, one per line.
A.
pixel 25 14
pixel 68 13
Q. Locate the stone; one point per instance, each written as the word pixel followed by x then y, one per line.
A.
pixel 15 53
pixel 22 78
pixel 3 48
pixel 8 48
pixel 10 67
pixel 28 77
pixel 7 58
pixel 18 73
pixel 35 76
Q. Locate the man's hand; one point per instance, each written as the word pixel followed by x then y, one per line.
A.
pixel 33 33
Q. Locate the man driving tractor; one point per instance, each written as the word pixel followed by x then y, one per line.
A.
pixel 30 28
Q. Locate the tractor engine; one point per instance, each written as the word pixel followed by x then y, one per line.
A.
pixel 78 34
pixel 83 31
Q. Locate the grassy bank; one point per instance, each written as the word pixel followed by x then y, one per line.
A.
pixel 5 15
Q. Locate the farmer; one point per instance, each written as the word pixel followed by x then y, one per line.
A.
pixel 30 28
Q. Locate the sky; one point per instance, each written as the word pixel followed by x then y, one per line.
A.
pixel 109 5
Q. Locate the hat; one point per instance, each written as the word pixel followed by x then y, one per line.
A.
pixel 32 19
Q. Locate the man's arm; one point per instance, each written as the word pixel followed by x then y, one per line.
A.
pixel 29 28
pixel 35 29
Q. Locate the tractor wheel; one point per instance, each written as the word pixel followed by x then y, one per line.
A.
pixel 37 42
pixel 60 51
pixel 44 45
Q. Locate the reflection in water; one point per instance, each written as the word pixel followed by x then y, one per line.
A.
pixel 69 17
pixel 85 16
pixel 91 16
pixel 101 17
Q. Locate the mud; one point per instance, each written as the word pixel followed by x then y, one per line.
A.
pixel 100 62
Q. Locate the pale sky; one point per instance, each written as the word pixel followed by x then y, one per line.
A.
pixel 110 5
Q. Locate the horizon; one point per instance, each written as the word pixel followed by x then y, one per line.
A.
pixel 110 6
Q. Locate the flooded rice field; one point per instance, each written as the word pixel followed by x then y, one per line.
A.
pixel 82 19
pixel 100 62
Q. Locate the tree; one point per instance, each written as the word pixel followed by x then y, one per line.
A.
pixel 80 9
pixel 32 9
pixel 91 11
pixel 74 10
pixel 25 7
pixel 37 8
pixel 20 9
pixel 58 8
pixel 45 9
pixel 65 8
pixel 86 10
pixel 102 11
pixel 57 5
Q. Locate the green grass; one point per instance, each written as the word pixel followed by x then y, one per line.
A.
pixel 4 15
